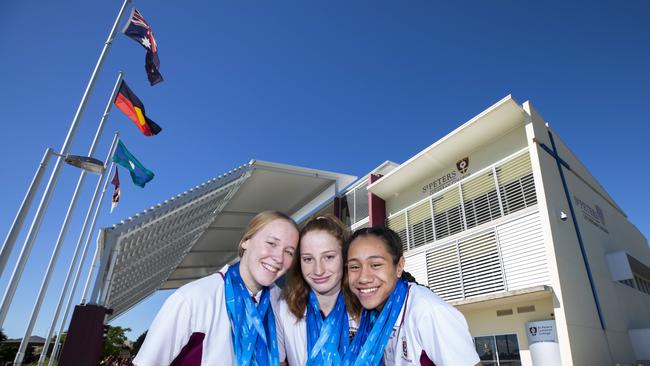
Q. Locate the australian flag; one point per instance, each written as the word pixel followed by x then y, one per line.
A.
pixel 138 30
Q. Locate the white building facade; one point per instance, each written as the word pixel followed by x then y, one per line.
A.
pixel 500 219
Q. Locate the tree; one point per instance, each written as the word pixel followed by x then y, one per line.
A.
pixel 115 338
pixel 6 353
pixel 138 342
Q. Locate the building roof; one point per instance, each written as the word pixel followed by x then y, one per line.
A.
pixel 492 123
pixel 197 232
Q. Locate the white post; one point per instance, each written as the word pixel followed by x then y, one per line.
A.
pixel 68 307
pixel 93 265
pixel 84 230
pixel 8 245
pixel 47 195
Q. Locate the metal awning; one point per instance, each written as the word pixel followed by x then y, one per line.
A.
pixel 197 232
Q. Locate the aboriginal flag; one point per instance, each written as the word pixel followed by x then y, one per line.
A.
pixel 131 105
pixel 138 29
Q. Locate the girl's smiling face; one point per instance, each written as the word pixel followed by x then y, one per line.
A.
pixel 321 262
pixel 372 272
pixel 267 254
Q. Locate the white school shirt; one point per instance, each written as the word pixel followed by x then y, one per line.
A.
pixel 192 327
pixel 429 329
pixel 292 333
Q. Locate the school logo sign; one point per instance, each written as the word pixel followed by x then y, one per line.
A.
pixel 592 213
pixel 446 179
pixel 541 331
pixel 462 165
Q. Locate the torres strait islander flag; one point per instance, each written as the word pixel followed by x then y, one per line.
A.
pixel 139 174
pixel 131 105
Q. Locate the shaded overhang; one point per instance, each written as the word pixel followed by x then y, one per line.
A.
pixel 506 298
pixel 480 130
pixel 197 232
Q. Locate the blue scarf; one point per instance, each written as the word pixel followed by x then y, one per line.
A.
pixel 368 345
pixel 327 340
pixel 252 329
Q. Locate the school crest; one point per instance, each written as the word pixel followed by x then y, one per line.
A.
pixel 462 165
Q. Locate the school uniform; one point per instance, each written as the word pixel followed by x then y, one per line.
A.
pixel 192 328
pixel 428 331
pixel 292 332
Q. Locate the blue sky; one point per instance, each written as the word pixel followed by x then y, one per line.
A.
pixel 332 85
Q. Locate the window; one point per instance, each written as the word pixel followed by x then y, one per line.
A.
pixel 642 284
pixel 465 267
pixel 492 193
pixel 498 350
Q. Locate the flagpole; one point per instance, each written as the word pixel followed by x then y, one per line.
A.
pixel 57 247
pixel 10 241
pixel 68 307
pixel 47 195
pixel 93 266
pixel 84 230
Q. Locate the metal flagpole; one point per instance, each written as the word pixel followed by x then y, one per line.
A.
pixel 93 265
pixel 47 195
pixel 8 245
pixel 107 111
pixel 68 306
pixel 59 241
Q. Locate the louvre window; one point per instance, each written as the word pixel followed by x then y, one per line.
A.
pixel 443 272
pixel 481 265
pixel 484 199
pixel 516 184
pixel 466 268
pixel 480 200
pixel 447 214
pixel 420 226
pixel 397 223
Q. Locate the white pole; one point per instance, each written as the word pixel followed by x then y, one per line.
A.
pixel 84 230
pixel 8 245
pixel 68 306
pixel 93 265
pixel 57 250
pixel 7 298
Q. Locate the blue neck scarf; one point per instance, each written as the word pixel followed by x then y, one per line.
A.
pixel 368 345
pixel 252 329
pixel 327 340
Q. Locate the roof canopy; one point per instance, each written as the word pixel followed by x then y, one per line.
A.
pixel 197 232
pixel 487 126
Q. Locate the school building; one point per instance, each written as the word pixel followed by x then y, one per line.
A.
pixel 503 221
pixel 498 217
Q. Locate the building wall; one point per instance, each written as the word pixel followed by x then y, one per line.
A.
pixel 484 321
pixel 604 229
pixel 541 232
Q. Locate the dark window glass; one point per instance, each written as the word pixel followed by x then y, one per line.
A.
pixel 485 349
pixel 508 347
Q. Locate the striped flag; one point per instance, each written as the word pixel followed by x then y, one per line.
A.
pixel 130 104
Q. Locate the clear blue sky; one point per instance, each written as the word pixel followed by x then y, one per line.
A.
pixel 332 85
